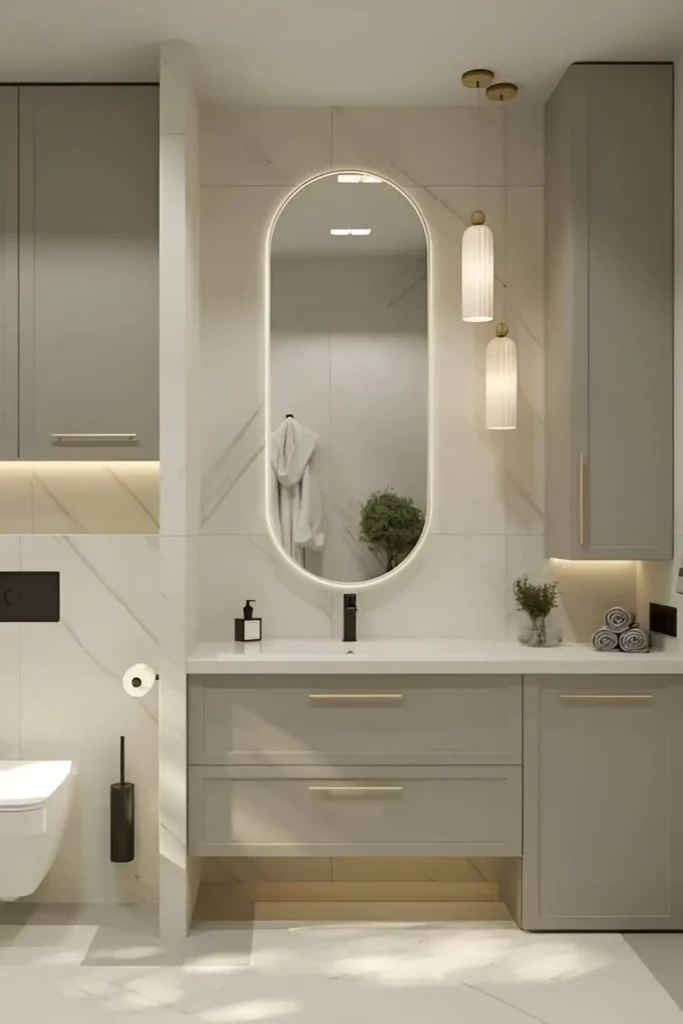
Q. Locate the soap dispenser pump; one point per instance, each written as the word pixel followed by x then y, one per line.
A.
pixel 248 628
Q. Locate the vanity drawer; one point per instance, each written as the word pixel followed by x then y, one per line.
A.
pixel 474 811
pixel 356 720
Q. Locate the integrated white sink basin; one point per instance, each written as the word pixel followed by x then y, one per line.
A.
pixel 333 657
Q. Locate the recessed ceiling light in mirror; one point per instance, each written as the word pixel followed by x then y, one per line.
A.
pixel 358 179
pixel 350 231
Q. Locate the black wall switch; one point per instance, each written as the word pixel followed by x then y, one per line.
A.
pixel 29 597
pixel 663 619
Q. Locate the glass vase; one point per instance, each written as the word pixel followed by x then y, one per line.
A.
pixel 539 631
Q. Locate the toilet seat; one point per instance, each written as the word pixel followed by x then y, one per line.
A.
pixel 30 784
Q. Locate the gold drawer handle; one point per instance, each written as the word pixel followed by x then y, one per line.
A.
pixel 94 440
pixel 385 697
pixel 355 789
pixel 606 696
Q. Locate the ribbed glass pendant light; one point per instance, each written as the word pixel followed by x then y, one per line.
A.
pixel 477 241
pixel 501 381
pixel 477 271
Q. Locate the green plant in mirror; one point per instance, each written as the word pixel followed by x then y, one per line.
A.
pixel 537 600
pixel 391 525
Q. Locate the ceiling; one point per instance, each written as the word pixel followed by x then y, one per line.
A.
pixel 332 52
pixel 303 227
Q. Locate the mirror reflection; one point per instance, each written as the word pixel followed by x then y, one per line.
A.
pixel 349 387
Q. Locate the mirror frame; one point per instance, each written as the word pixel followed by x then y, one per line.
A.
pixel 377 581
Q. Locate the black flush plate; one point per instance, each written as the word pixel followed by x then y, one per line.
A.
pixel 663 619
pixel 29 597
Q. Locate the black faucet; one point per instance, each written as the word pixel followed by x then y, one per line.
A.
pixel 350 611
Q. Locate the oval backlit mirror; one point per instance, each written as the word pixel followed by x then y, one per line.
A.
pixel 348 468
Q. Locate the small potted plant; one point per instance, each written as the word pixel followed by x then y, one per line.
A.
pixel 391 526
pixel 537 600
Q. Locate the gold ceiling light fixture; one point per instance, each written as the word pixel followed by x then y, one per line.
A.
pixel 477 240
pixel 501 92
pixel 501 351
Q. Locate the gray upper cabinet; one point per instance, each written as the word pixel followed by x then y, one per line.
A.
pixel 603 808
pixel 79 170
pixel 9 268
pixel 609 313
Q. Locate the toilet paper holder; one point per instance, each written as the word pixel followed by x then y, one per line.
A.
pixel 136 681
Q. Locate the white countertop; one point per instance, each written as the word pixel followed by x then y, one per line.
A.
pixel 420 657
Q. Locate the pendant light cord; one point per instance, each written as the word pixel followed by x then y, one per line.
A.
pixel 505 213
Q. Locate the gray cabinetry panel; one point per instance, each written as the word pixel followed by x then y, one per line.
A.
pixel 298 811
pixel 356 720
pixel 9 272
pixel 603 816
pixel 609 305
pixel 89 348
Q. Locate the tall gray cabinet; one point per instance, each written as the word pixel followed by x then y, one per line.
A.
pixel 80 338
pixel 609 313
pixel 603 803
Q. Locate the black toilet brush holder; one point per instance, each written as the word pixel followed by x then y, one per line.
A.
pixel 122 815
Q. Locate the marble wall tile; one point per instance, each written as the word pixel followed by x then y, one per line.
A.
pixel 232 569
pixel 16 498
pixel 73 705
pixel 484 485
pixel 587 589
pixel 453 589
pixel 421 145
pixel 10 664
pixel 79 497
pixel 95 498
pixel 264 145
pixel 235 225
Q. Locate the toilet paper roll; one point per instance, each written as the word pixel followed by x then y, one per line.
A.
pixel 138 680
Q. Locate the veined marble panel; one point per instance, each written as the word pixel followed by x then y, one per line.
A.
pixel 73 705
pixel 79 497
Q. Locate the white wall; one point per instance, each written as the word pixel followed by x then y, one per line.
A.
pixel 61 697
pixel 488 516
pixel 349 359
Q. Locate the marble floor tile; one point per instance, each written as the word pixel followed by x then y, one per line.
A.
pixel 333 972
pixel 45 945
pixel 662 954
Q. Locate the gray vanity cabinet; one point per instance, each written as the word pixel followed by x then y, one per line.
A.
pixel 609 313
pixel 84 344
pixel 603 803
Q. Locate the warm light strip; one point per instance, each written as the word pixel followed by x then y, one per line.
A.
pixel 380 581
pixel 89 465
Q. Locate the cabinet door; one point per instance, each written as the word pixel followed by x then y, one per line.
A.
pixel 609 305
pixel 89 337
pixel 602 803
pixel 9 270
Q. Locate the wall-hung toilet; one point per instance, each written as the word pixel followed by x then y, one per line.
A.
pixel 34 803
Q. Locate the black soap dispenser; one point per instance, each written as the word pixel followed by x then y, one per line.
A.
pixel 248 629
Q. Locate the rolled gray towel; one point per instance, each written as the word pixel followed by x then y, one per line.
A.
pixel 634 640
pixel 619 619
pixel 605 640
